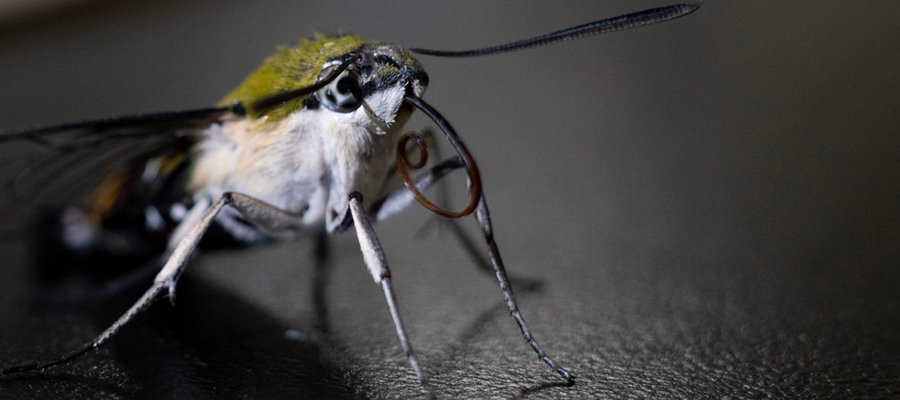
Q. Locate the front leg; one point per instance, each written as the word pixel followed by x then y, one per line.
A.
pixel 482 215
pixel 376 262
pixel 402 198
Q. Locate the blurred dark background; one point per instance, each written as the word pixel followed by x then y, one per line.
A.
pixel 709 203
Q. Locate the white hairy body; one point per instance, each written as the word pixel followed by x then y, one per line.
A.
pixel 306 164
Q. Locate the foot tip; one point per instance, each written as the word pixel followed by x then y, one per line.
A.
pixel 570 379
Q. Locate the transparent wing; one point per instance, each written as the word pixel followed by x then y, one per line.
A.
pixel 51 167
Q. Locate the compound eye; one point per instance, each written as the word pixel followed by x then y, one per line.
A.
pixel 343 94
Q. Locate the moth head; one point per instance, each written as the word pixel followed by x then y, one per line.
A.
pixel 372 84
pixel 346 77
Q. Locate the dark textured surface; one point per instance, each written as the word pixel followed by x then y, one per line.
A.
pixel 711 205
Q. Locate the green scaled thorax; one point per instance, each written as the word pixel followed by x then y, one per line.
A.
pixel 291 68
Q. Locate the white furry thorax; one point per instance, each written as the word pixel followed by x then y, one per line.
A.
pixel 306 164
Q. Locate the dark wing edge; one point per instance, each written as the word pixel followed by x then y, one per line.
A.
pixel 51 167
pixel 159 122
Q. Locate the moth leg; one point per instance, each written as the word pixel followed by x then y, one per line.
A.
pixel 267 217
pixel 375 261
pixel 484 222
pixel 164 280
pixel 476 254
pixel 402 198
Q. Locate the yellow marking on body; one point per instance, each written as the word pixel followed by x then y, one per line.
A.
pixel 105 196
pixel 168 164
pixel 291 68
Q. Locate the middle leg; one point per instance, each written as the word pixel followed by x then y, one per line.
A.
pixel 265 216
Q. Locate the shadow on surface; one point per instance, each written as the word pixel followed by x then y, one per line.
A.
pixel 524 393
pixel 212 345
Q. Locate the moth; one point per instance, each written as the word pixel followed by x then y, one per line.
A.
pixel 307 143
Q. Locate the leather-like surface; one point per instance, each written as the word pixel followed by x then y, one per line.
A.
pixel 709 207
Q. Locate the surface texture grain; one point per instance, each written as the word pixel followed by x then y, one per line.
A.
pixel 709 206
